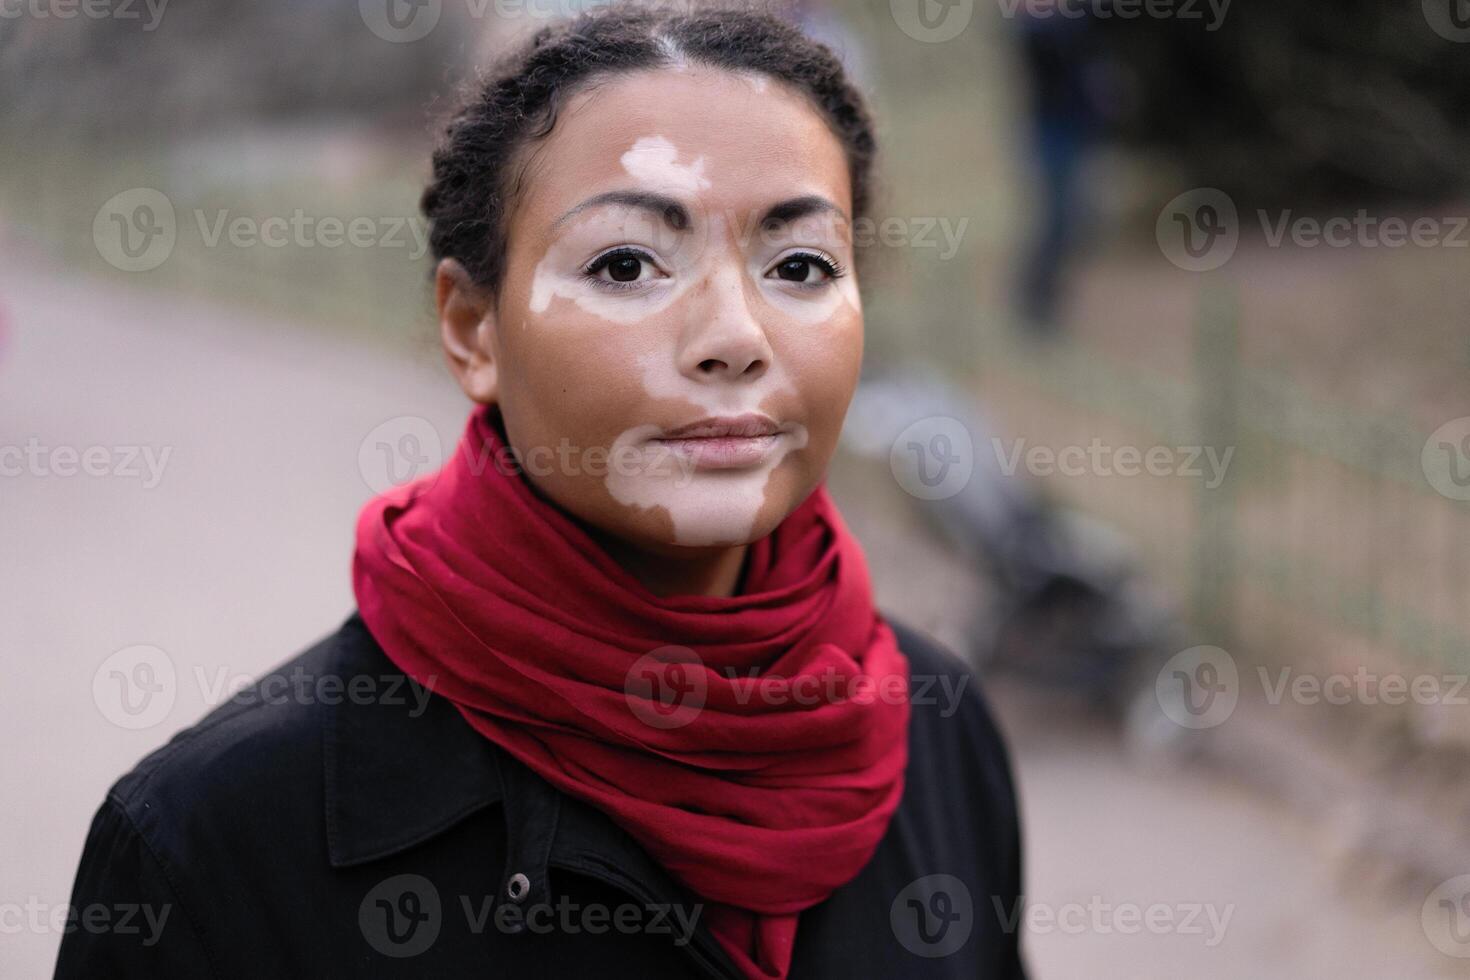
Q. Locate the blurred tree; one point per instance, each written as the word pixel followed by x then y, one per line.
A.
pixel 1303 101
pixel 201 64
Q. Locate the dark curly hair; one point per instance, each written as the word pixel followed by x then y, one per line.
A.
pixel 476 165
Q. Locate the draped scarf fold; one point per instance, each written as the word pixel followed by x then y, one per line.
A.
pixel 753 745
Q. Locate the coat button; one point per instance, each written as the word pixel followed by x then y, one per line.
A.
pixel 517 888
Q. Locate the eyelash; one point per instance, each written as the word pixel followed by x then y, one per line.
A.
pixel 591 269
pixel 826 263
pixel 834 269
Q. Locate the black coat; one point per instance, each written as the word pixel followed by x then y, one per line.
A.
pixel 337 820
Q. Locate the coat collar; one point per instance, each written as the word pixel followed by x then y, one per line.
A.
pixel 401 768
pixel 381 796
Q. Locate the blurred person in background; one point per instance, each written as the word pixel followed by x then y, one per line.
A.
pixel 647 686
pixel 1062 73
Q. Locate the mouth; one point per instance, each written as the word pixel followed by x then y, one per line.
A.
pixel 726 443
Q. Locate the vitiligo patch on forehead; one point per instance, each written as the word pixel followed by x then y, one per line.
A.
pixel 654 162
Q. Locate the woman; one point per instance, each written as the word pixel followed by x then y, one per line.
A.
pixel 616 701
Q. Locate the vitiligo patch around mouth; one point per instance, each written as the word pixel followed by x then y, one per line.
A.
pixel 705 507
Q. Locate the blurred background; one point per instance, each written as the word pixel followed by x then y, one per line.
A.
pixel 1164 422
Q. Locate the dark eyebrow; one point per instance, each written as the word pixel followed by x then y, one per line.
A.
pixel 674 213
pixel 677 216
pixel 798 208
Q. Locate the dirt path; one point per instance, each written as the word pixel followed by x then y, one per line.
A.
pixel 229 552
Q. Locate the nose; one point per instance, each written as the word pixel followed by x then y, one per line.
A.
pixel 723 340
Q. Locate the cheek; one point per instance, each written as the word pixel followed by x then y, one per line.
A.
pixel 568 379
pixel 825 360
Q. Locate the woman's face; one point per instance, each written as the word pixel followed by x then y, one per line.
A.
pixel 679 332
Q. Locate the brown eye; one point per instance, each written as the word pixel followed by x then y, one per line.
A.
pixel 625 268
pixel 808 268
pixel 794 270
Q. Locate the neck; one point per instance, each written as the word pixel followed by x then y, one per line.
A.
pixel 703 571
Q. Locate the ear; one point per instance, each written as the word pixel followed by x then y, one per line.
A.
pixel 467 330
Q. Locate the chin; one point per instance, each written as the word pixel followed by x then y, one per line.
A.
pixel 656 534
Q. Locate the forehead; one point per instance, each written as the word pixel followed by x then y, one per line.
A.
pixel 750 141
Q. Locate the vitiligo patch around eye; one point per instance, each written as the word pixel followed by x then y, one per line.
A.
pixel 652 162
pixel 559 272
pixel 820 308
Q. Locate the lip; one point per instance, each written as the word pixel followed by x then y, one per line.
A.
pixel 723 443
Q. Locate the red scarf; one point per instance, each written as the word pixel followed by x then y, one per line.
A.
pixel 763 799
